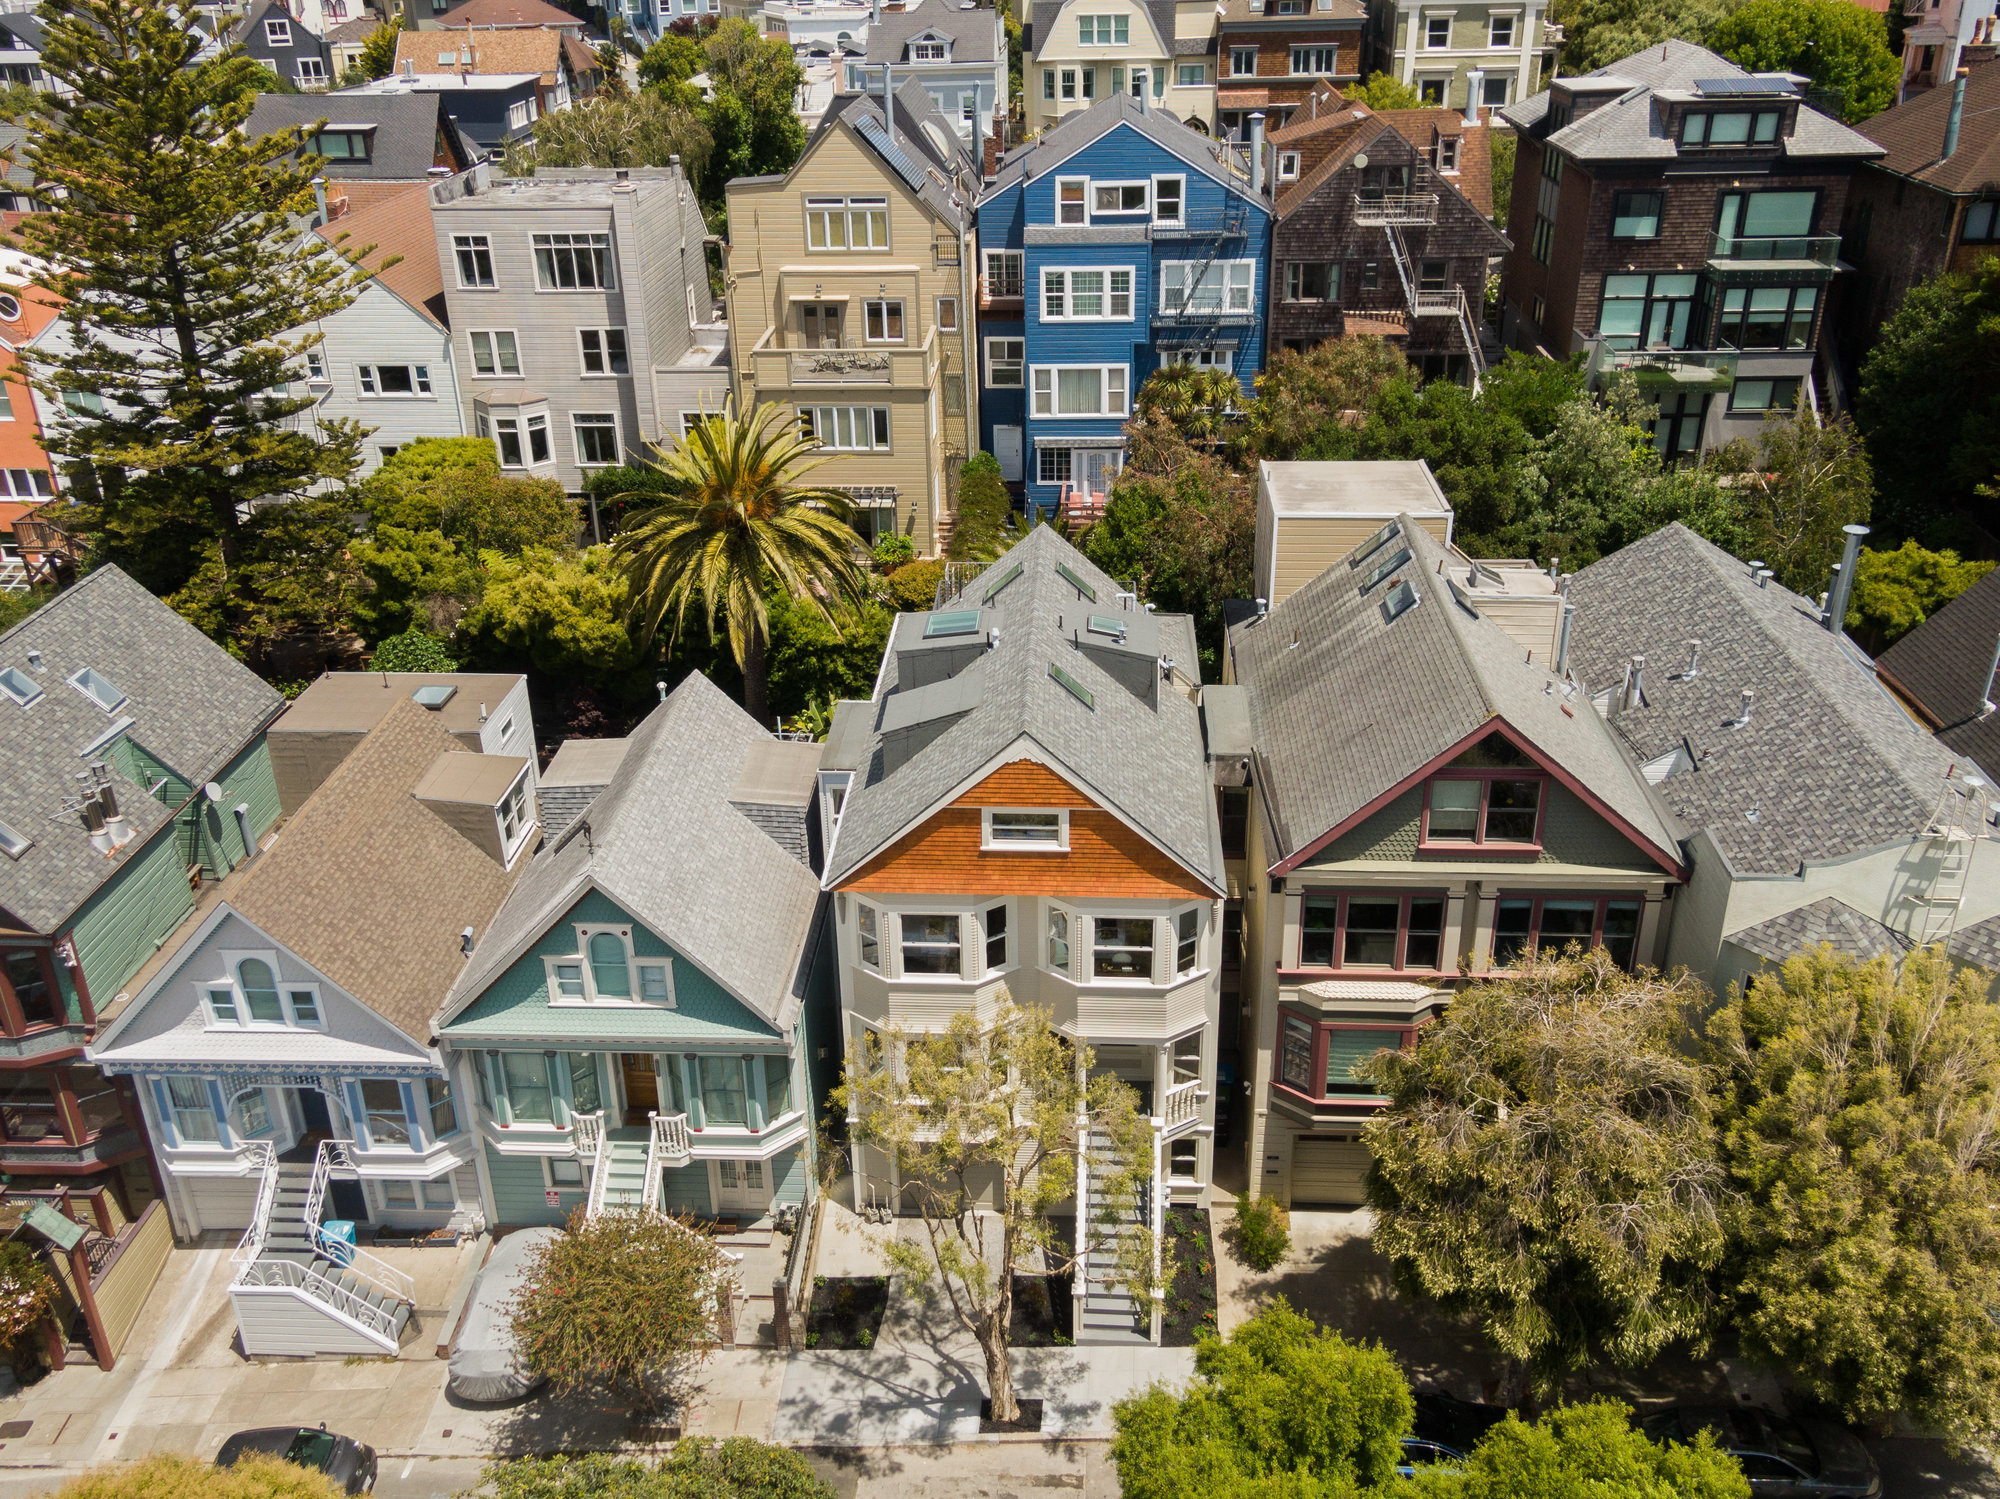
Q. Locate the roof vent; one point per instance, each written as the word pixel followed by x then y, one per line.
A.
pixel 436 695
pixel 1693 669
pixel 1742 719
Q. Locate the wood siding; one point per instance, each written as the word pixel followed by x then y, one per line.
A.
pixel 1274 58
pixel 1106 859
pixel 1307 545
pixel 122 1290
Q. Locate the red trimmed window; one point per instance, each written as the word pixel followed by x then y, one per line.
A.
pixel 1317 1059
pixel 1495 809
pixel 1372 929
pixel 1524 924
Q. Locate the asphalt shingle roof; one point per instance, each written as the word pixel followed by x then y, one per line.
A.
pixel 406 129
pixel 1942 666
pixel 1913 135
pixel 1144 764
pixel 664 843
pixel 1834 922
pixel 1828 765
pixel 1357 705
pixel 971 33
pixel 193 708
pixel 914 110
pixel 1073 132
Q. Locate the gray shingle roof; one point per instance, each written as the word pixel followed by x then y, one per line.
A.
pixel 1978 944
pixel 1942 666
pixel 1827 920
pixel 1144 764
pixel 1358 705
pixel 914 110
pixel 972 33
pixel 1828 765
pixel 1627 129
pixel 406 128
pixel 193 708
pixel 1073 132
pixel 663 842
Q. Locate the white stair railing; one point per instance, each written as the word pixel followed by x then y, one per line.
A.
pixel 600 1177
pixel 1159 1227
pixel 291 1275
pixel 333 1156
pixel 671 1138
pixel 1080 1283
pixel 587 1132
pixel 257 1155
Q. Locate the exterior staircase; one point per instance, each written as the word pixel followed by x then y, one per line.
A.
pixel 1106 1312
pixel 1394 212
pixel 618 1185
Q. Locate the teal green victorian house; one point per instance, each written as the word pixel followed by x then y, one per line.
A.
pixel 634 1025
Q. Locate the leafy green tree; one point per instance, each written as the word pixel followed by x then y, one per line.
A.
pixel 559 614
pixel 675 58
pixel 646 129
pixel 753 113
pixel 985 510
pixel 1197 403
pixel 1385 91
pixel 27 1292
pixel 1280 1407
pixel 1311 405
pixel 997 1109
pixel 1798 484
pixel 1690 494
pixel 611 61
pixel 1597 33
pixel 1546 1162
pixel 1587 1451
pixel 172 237
pixel 1843 48
pixel 742 526
pixel 1593 465
pixel 1502 154
pixel 736 1468
pixel 1895 591
pixel 912 587
pixel 614 1303
pixel 413 650
pixel 255 1476
pixel 1857 1123
pixel 377 58
pixel 418 579
pixel 812 661
pixel 301 578
pixel 455 485
pixel 15 607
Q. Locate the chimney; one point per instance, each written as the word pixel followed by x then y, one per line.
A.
pixel 1257 152
pixel 93 814
pixel 115 824
pixel 1475 82
pixel 1957 113
pixel 242 814
pixel 888 111
pixel 1562 640
pixel 319 199
pixel 1843 580
pixel 875 12
pixel 621 183
pixel 1635 683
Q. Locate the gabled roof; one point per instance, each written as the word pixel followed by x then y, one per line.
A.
pixel 1342 13
pixel 369 885
pixel 1833 922
pixel 505 13
pixel 406 130
pixel 252 24
pixel 1360 705
pixel 971 33
pixel 404 254
pixel 1828 765
pixel 25 26
pixel 1913 132
pixel 1144 764
pixel 1942 666
pixel 494 53
pixel 1046 13
pixel 1625 128
pixel 664 843
pixel 359 29
pixel 192 706
pixel 923 142
pixel 1356 127
pixel 1073 132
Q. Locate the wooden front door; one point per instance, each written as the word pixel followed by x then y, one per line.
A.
pixel 642 1085
pixel 819 324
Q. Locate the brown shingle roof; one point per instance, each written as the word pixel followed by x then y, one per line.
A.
pixel 1914 130
pixel 529 50
pixel 397 225
pixel 1343 126
pixel 370 886
pixel 1421 127
pixel 506 13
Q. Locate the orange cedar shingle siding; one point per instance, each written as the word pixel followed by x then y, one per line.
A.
pixel 1106 858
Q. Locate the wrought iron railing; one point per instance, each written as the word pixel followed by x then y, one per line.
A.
pixel 291 1275
pixel 257 1155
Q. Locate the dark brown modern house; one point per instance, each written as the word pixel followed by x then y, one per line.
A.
pixel 1273 53
pixel 1382 225
pixel 1678 217
pixel 1930 204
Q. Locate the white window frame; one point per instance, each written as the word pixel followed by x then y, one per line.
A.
pixel 1084 183
pixel 886 422
pixel 863 936
pixel 1202 359
pixel 945 311
pixel 1121 30
pixel 233 960
pixel 309 70
pixel 928 48
pixel 277 33
pixel 1288 166
pixel 1047 460
pixel 633 964
pixel 1098 184
pixel 1236 55
pixel 575 241
pixel 370 378
pixel 1152 975
pixel 1019 266
pixel 865 206
pixel 1010 951
pixel 987 842
pixel 1175 973
pixel 1512 20
pixel 1046 938
pixel 1431 19
pixel 1451 150
pixel 1180 197
pixel 1019 363
pixel 549 1182
pixel 474 245
pixel 963 918
pixel 604 355
pixel 885 303
pixel 493 337
pixel 1311 52
pixel 1053 371
pixel 576 439
pixel 1228 288
pixel 1066 298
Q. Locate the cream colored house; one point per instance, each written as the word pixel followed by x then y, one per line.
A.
pixel 851 298
pixel 1086 50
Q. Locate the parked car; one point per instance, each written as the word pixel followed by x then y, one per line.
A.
pixel 486 1365
pixel 1782 1458
pixel 1446 1429
pixel 349 1463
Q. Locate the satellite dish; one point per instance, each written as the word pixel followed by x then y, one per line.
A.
pixel 213 791
pixel 1361 160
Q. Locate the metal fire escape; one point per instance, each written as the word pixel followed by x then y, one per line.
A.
pixel 1393 213
pixel 1208 238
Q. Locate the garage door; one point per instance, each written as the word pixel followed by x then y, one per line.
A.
pixel 1329 1172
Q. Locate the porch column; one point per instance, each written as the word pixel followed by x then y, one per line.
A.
pixel 1163 1077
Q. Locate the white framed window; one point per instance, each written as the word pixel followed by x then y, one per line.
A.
pixel 250 1115
pixel 475 260
pixel 1087 296
pixel 596 435
pixel 930 50
pixel 1036 829
pixel 1072 200
pixel 438 1194
pixel 563 1174
pixel 1288 166
pixel 1187 941
pixel 1312 281
pixel 1117 198
pixel 1169 194
pixel 496 352
pixel 384 1113
pixel 1202 359
pixel 311 72
pixel 186 1101
pixel 1121 948
pixel 882 320
pixel 602 351
pixel 993 929
pixel 397 1194
pixel 406 380
pixel 1104 31
pixel 277 33
pixel 846 429
pixel 1006 362
pixel 1316 60
pixel 847 223
pixel 1448 146
pixel 573 262
pixel 250 996
pixel 1048 83
pixel 523 113
pixel 1226 286
pixel 1191 75
pixel 443 1111
pixel 1500 32
pixel 947 314
pixel 1056 940
pixel 1080 390
pixel 1242 61
pixel 315 370
pixel 931 944
pixel 1437 32
pixel 868 935
pixel 1494 91
pixel 1004 273
pixel 607 969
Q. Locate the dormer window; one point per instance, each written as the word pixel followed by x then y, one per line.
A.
pixel 606 969
pixel 251 995
pixel 277 33
pixel 336 143
pixel 1730 127
pixel 1500 808
pixel 929 49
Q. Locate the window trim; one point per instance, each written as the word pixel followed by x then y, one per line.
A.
pixel 1486 776
pixel 1538 899
pixel 901 336
pixel 604 354
pixel 988 844
pixel 1150 978
pixel 493 347
pixel 924 976
pixel 879 417
pixel 1341 895
pixel 585 930
pixel 1227 267
pixel 1063 182
pixel 1314 1094
pixel 231 980
pixel 576 439
pixel 611 281
pixel 1020 365
pixel 369 377
pixel 1052 415
pixel 474 245
pixel 1067 296
pixel 1179 179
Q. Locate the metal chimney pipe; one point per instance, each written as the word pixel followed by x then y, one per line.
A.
pixel 1257 152
pixel 1957 113
pixel 1562 640
pixel 1844 580
pixel 319 198
pixel 1743 718
pixel 1475 82
pixel 1993 670
pixel 1635 692
pixel 242 811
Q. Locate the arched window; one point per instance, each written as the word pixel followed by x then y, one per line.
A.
pixel 607 966
pixel 260 991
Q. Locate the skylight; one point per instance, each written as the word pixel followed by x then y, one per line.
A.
pixel 1005 578
pixel 97 688
pixel 1398 601
pixel 951 622
pixel 1062 571
pixel 12 844
pixel 1072 686
pixel 18 685
pixel 1371 546
pixel 436 695
pixel 1383 569
pixel 1107 624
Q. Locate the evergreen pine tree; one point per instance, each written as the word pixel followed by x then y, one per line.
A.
pixel 178 242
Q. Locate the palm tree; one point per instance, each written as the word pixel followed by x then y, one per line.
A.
pixel 741 524
pixel 1195 401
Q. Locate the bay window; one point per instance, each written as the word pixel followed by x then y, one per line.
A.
pixel 1058 946
pixel 722 1097
pixel 777 1087
pixel 382 1106
pixel 1187 941
pixel 1372 929
pixel 1525 925
pixel 1322 1060
pixel 586 1095
pixel 930 944
pixel 524 1077
pixel 996 938
pixel 186 1100
pixel 869 937
pixel 443 1112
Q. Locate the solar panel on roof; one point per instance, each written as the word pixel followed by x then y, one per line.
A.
pixel 1718 88
pixel 872 132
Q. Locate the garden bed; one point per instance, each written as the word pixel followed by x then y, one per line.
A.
pixel 1190 1312
pixel 1042 1311
pixel 846 1311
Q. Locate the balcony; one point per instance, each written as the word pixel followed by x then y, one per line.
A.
pixel 50 1151
pixel 1381 210
pixel 1230 223
pixel 1665 371
pixel 784 361
pixel 1771 258
pixel 1002 295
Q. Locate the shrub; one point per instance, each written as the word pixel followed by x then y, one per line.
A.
pixel 737 1468
pixel 1263 1232
pixel 913 586
pixel 255 1477
pixel 413 650
pixel 892 551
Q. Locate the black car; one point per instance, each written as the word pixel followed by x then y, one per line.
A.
pixel 1446 1429
pixel 1782 1458
pixel 350 1464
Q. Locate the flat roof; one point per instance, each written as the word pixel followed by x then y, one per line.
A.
pixel 463 776
pixel 778 773
pixel 1385 488
pixel 585 762
pixel 353 702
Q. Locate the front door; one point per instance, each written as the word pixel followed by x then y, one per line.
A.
pixel 642 1085
pixel 1007 448
pixel 742 1187
pixel 819 324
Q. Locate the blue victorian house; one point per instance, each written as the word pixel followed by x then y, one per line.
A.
pixel 1120 241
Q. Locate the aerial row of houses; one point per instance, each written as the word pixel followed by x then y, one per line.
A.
pixel 362 959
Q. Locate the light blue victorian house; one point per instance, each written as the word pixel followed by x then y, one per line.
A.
pixel 633 1027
